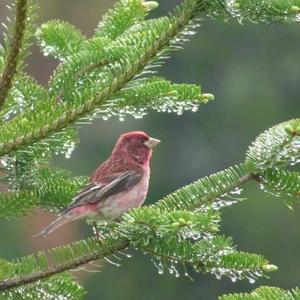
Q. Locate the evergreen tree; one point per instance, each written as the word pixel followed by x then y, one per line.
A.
pixel 112 74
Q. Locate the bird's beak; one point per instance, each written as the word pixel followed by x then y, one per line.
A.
pixel 152 143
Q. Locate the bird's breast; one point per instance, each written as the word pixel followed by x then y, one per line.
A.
pixel 114 206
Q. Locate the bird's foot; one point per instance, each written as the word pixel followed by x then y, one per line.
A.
pixel 97 233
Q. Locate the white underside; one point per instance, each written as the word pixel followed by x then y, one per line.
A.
pixel 113 207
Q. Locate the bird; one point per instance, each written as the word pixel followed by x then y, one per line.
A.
pixel 117 185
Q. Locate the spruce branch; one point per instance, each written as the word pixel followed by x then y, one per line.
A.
pixel 14 51
pixel 24 94
pixel 265 292
pixel 277 147
pixel 207 192
pixel 122 16
pixel 92 249
pixel 171 230
pixel 140 230
pixel 255 11
pixel 127 69
pixel 61 286
pixel 161 95
pixel 59 39
pixel 49 188
pixel 98 250
pixel 282 183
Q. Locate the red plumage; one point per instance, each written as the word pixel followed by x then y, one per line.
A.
pixel 118 184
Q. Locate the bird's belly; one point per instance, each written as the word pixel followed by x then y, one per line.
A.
pixel 113 207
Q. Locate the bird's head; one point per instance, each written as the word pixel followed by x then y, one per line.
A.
pixel 137 145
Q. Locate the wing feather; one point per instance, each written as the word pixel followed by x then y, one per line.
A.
pixel 94 192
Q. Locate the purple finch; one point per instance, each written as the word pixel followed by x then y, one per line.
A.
pixel 117 185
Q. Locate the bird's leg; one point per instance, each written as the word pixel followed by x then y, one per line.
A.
pixel 98 234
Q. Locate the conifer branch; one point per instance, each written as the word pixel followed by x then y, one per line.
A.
pixel 134 229
pixel 265 292
pixel 207 192
pixel 182 227
pixel 15 48
pixel 255 11
pixel 118 245
pixel 73 114
pixel 242 180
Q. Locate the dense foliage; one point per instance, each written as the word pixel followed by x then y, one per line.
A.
pixel 112 74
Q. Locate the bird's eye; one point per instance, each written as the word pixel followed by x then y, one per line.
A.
pixel 143 140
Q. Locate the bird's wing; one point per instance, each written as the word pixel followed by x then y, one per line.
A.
pixel 109 185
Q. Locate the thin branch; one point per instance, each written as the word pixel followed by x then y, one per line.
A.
pixel 120 244
pixel 15 48
pixel 237 184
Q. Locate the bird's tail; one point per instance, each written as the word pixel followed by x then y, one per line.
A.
pixel 61 220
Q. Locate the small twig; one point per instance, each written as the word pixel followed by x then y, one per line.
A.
pixel 15 48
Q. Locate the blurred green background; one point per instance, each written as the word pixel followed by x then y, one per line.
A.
pixel 254 73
